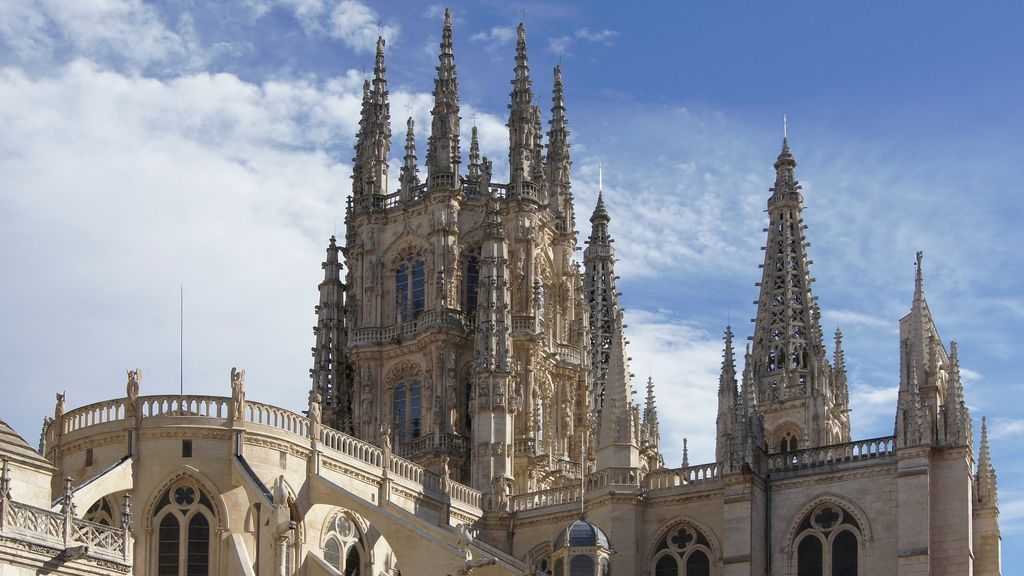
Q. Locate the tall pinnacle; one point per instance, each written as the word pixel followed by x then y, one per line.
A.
pixel 728 400
pixel 409 176
pixel 373 142
pixel 443 154
pixel 988 494
pixel 474 156
pixel 523 124
pixel 329 364
pixel 558 162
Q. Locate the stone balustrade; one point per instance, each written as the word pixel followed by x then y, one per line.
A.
pixel 278 418
pixel 62 531
pixel 185 405
pixel 448 318
pixel 570 354
pixel 690 475
pixel 442 443
pixel 868 450
pixel 544 498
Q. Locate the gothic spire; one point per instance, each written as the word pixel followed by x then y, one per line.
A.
pixel 988 494
pixel 443 154
pixel 617 443
pixel 523 125
pixel 788 353
pixel 493 319
pixel 957 416
pixel 409 176
pixel 602 298
pixel 329 363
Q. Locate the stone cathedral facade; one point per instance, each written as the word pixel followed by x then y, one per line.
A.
pixel 472 410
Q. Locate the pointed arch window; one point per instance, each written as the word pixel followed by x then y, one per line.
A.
pixel 410 288
pixel 343 547
pixel 472 283
pixel 184 517
pixel 683 551
pixel 828 543
pixel 407 410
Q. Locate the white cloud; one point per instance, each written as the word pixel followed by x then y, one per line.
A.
pixel 1005 428
pixel 841 318
pixel 122 30
pixel 596 36
pixel 358 26
pixel 496 38
pixel 560 45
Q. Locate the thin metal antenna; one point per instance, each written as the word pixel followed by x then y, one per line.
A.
pixel 181 340
pixel 522 12
pixel 600 178
pixel 785 127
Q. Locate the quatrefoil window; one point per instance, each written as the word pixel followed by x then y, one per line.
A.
pixel 826 517
pixel 184 495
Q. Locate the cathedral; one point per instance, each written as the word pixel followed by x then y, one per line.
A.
pixel 472 409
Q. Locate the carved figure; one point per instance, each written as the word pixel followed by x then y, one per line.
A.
pixel 238 393
pixel 446 480
pixel 58 410
pixel 132 391
pixel 385 445
pixel 366 405
pixel 314 407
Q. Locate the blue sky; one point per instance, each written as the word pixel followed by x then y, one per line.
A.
pixel 146 146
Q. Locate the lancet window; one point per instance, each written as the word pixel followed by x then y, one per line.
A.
pixel 184 518
pixel 828 543
pixel 408 410
pixel 410 288
pixel 472 283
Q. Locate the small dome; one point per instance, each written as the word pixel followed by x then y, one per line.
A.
pixel 582 533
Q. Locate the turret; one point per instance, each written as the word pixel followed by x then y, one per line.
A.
pixel 790 371
pixel 330 369
pixel 840 390
pixel 987 539
pixel 443 156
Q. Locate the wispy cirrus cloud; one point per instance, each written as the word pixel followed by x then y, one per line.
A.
pixel 562 44
pixel 496 38
pixel 358 26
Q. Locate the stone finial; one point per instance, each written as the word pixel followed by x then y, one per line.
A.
pixel 126 512
pixel 5 480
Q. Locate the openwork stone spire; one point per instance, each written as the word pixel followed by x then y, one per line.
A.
pixel 493 310
pixel 373 143
pixel 602 298
pixel 790 370
pixel 329 372
pixel 523 127
pixel 443 156
pixel 650 431
pixel 617 442
pixel 474 156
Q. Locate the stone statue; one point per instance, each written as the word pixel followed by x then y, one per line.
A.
pixel 446 479
pixel 385 445
pixel 314 407
pixel 238 393
pixel 366 405
pixel 498 493
pixel 132 391
pixel 58 410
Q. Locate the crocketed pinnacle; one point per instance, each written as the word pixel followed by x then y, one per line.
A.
pixel 443 154
pixel 986 477
pixel 523 121
pixel 373 142
pixel 474 156
pixel 328 372
pixel 409 176
pixel 558 162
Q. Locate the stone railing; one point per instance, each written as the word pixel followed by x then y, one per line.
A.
pixel 525 447
pixel 570 354
pixel 443 443
pixel 569 468
pixel 92 414
pixel 275 417
pixel 447 318
pixel 544 498
pixel 859 451
pixel 526 324
pixel 63 531
pixel 670 478
pixel 614 477
pixel 351 446
pixel 185 405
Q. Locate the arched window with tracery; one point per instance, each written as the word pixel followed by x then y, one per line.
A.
pixel 410 288
pixel 471 279
pixel 408 410
pixel 101 512
pixel 684 551
pixel 184 516
pixel 343 546
pixel 828 543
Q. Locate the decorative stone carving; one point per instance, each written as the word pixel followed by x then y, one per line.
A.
pixel 238 394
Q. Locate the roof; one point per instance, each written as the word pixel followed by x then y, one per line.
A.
pixel 582 533
pixel 14 447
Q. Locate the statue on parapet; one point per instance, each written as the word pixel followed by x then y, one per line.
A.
pixel 132 391
pixel 314 412
pixel 58 410
pixel 237 394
